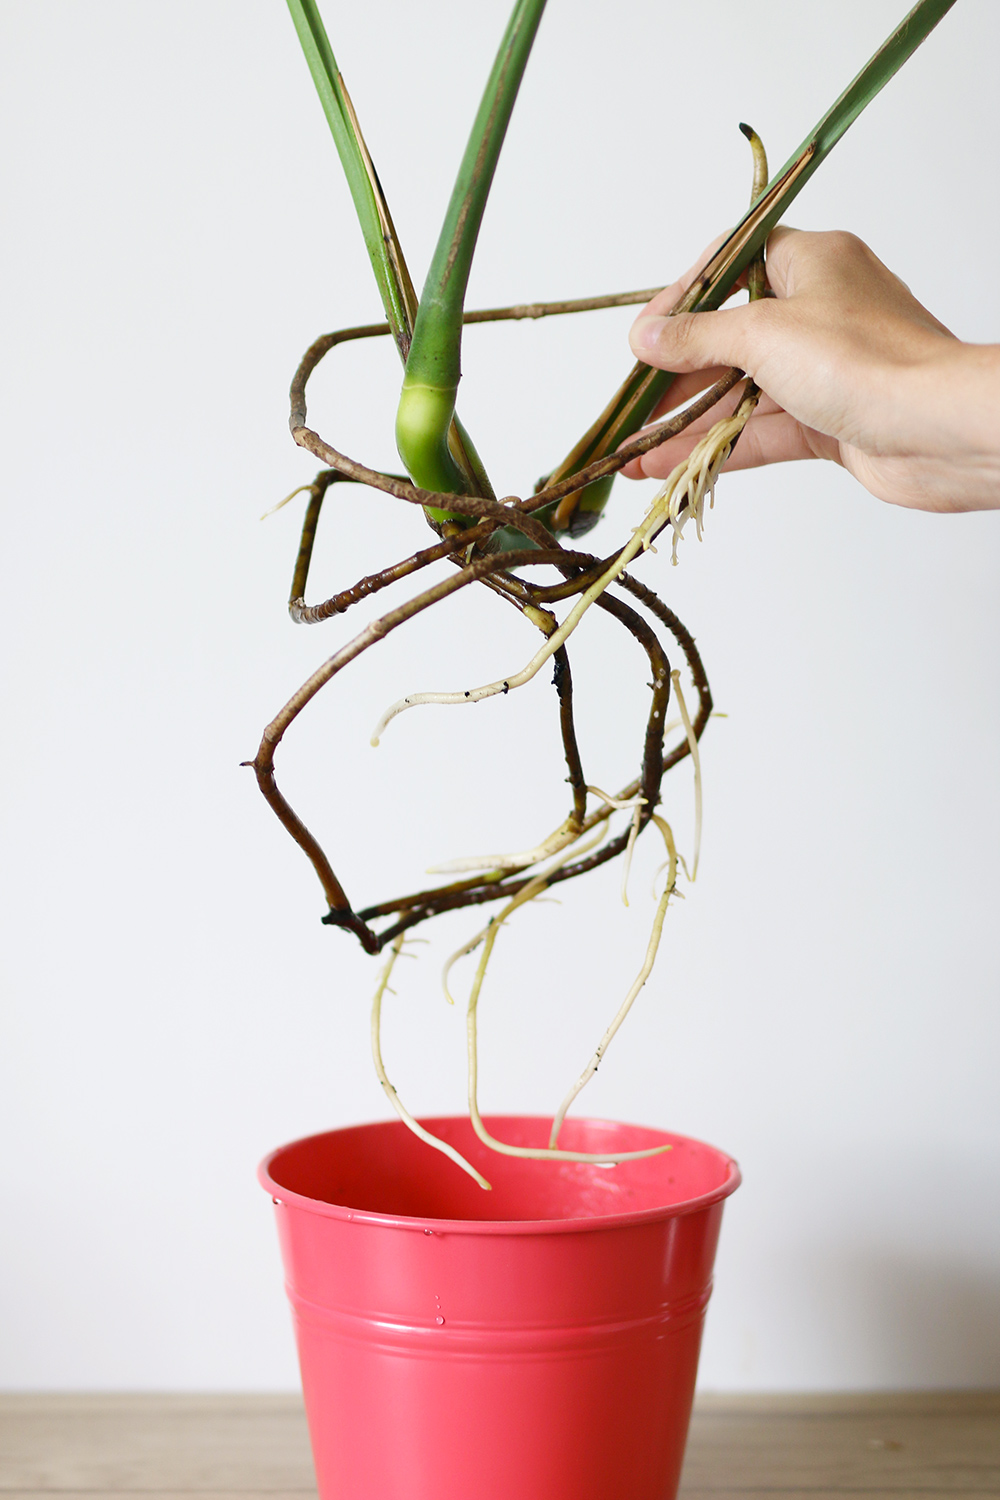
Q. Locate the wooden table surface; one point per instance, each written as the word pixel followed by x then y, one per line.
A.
pixel 126 1447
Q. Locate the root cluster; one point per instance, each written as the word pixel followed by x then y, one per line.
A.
pixel 585 580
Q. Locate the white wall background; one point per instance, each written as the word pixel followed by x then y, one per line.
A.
pixel 826 1006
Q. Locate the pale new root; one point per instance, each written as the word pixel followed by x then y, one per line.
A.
pixel 684 491
pixel 681 496
pixel 518 900
pixel 672 860
pixel 563 837
pixel 616 804
pixel 695 750
pixel 303 489
pixel 389 1090
pixel 567 833
pixel 533 1153
pixel 640 979
pixel 633 834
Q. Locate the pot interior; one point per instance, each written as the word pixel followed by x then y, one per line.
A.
pixel 385 1169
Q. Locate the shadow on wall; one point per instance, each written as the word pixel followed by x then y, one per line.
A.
pixel 910 1323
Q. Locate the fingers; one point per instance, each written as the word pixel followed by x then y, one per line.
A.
pixel 701 425
pixel 685 387
pixel 699 341
pixel 681 391
pixel 782 244
pixel 678 346
pixel 772 438
pixel 829 350
pixel 828 261
pixel 838 267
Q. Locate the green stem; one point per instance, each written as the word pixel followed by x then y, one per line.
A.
pixel 391 275
pixel 384 249
pixel 433 369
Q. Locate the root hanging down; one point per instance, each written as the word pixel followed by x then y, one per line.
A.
pixel 481 551
pixel 531 1153
pixel 530 892
pixel 487 936
pixel 639 981
pixel 682 496
pixel 633 834
pixel 383 1077
pixel 685 489
pixel 695 750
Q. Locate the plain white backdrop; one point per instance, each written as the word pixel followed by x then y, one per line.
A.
pixel 826 1004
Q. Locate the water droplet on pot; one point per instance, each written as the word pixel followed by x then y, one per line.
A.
pixel 428 1231
pixel 439 1320
pixel 276 1202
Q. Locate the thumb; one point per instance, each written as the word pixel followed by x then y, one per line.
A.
pixel 695 341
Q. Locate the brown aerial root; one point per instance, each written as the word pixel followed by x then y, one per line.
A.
pixel 587 579
pixel 578 843
pixel 422 905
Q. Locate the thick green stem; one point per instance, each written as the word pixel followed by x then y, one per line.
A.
pixel 384 249
pixel 433 369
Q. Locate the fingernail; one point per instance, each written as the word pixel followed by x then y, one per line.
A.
pixel 645 335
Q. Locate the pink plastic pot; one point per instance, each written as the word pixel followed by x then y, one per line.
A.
pixel 538 1342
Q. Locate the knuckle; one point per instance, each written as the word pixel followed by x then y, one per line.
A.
pixel 684 334
pixel 843 242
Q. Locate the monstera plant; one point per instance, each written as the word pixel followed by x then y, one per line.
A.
pixel 528 551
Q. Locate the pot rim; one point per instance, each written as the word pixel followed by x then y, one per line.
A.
pixel 584 1224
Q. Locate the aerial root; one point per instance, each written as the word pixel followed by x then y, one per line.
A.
pixel 685 489
pixel 518 679
pixel 614 804
pixel 695 750
pixel 383 1077
pixel 640 980
pixel 530 892
pixel 629 851
pixel 567 833
pixel 681 497
pixel 561 838
pixel 303 489
pixel 673 858
pixel 531 1153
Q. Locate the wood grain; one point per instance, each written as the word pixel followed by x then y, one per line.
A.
pixel 919 1446
pixel 926 1445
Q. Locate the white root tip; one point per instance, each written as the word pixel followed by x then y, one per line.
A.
pixel 303 489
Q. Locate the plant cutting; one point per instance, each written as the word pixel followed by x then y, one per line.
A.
pixel 522 549
pixel 526 552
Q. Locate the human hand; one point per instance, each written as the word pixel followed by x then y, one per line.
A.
pixel 852 368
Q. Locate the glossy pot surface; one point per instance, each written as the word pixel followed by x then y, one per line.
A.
pixel 536 1342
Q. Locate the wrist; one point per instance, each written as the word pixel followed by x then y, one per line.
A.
pixel 977 388
pixel 953 401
